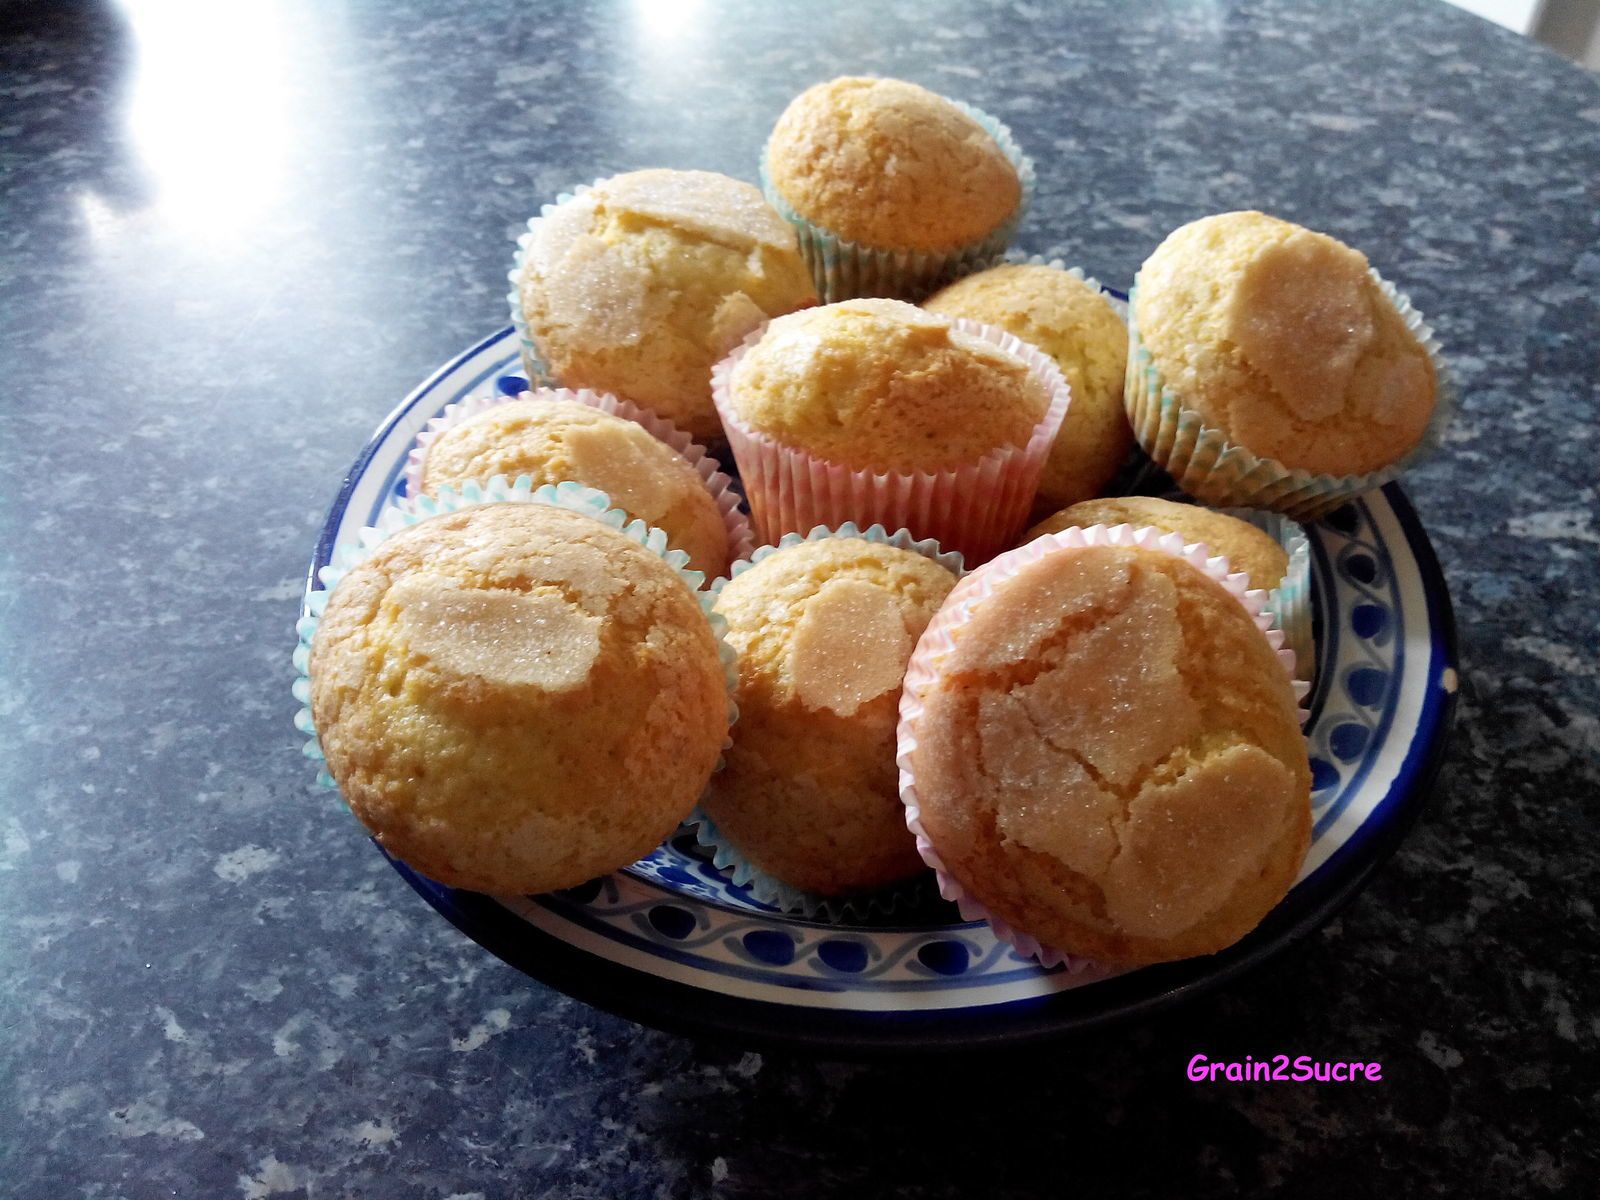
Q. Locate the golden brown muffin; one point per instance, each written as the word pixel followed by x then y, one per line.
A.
pixel 890 165
pixel 1280 338
pixel 1110 759
pixel 1077 326
pixel 514 698
pixel 884 385
pixel 556 440
pixel 1246 548
pixel 824 630
pixel 639 285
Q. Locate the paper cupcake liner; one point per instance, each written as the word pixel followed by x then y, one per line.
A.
pixel 573 497
pixel 1204 463
pixel 726 854
pixel 938 641
pixel 950 560
pixel 1289 602
pixel 741 538
pixel 977 509
pixel 845 270
pixel 835 910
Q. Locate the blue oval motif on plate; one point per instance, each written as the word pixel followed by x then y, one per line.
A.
pixel 1323 774
pixel 1368 620
pixel 671 921
pixel 945 958
pixel 770 946
pixel 840 954
pixel 1366 686
pixel 1348 740
pixel 1361 567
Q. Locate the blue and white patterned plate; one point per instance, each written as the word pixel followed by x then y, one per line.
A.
pixel 670 941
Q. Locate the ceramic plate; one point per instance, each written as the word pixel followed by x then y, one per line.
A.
pixel 670 941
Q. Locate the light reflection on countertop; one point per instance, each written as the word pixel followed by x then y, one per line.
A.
pixel 208 112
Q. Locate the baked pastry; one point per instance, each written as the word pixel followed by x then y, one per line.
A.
pixel 808 791
pixel 1073 322
pixel 891 186
pixel 1104 752
pixel 1284 346
pixel 639 284
pixel 881 384
pixel 875 411
pixel 551 440
pixel 1247 549
pixel 515 698
pixel 889 164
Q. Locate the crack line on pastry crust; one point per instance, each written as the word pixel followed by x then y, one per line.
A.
pixel 1010 676
pixel 1134 788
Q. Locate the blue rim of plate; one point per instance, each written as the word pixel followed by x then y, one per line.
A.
pixel 1350 725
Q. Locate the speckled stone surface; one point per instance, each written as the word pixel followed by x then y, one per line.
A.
pixel 232 242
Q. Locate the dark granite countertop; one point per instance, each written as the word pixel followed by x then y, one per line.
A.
pixel 233 238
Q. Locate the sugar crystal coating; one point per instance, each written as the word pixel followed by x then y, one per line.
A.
pixel 512 639
pixel 640 284
pixel 1279 337
pixel 552 441
pixel 515 698
pixel 843 673
pixel 823 630
pixel 1109 758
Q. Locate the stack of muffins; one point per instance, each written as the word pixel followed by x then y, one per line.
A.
pixel 563 644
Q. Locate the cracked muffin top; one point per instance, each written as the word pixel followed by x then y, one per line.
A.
pixel 883 385
pixel 552 441
pixel 1076 325
pixel 1246 548
pixel 890 165
pixel 824 630
pixel 638 285
pixel 515 698
pixel 1110 758
pixel 1281 338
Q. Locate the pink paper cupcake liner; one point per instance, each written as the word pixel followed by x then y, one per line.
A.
pixel 741 538
pixel 977 509
pixel 939 640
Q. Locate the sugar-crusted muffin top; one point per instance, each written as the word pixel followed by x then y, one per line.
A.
pixel 640 284
pixel 1280 337
pixel 712 207
pixel 830 624
pixel 1076 325
pixel 515 698
pixel 1110 758
pixel 884 385
pixel 1246 548
pixel 890 165
pixel 556 440
pixel 824 630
